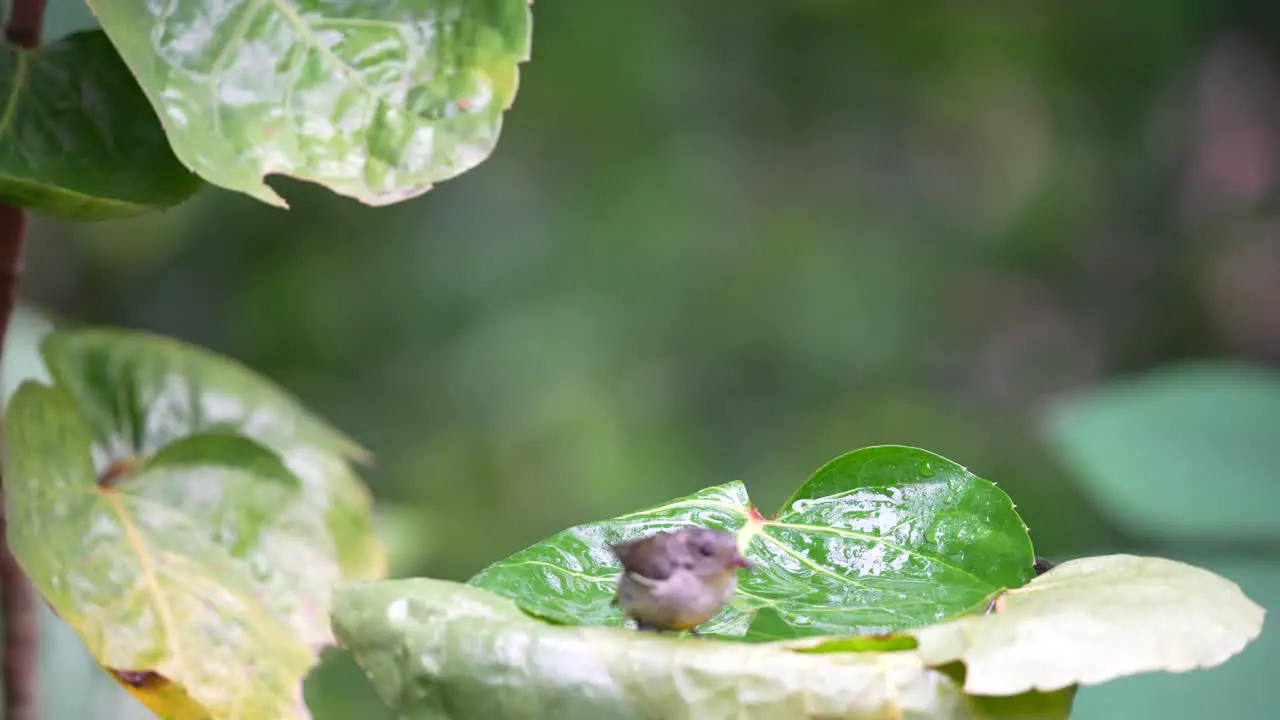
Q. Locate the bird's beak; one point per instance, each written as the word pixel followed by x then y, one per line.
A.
pixel 740 561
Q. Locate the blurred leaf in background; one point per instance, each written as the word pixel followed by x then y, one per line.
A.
pixel 1189 451
pixel 1187 458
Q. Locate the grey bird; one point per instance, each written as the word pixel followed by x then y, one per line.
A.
pixel 678 579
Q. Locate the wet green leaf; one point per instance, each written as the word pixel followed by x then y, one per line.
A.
pixel 140 393
pixel 887 642
pixel 185 518
pixel 203 575
pixel 1095 619
pixel 1149 449
pixel 64 662
pixel 78 139
pixel 375 100
pixel 879 539
pixel 438 649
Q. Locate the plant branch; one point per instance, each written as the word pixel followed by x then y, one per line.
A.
pixel 17 598
pixel 25 21
pixel 21 631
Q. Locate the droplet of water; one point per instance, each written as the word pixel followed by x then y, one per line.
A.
pixel 926 469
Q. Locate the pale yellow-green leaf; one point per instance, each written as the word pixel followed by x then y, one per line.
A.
pixel 1096 619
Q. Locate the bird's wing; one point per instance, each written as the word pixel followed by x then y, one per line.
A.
pixel 646 556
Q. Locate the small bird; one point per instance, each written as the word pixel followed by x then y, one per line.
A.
pixel 679 579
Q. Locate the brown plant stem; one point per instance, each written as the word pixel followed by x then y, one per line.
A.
pixel 17 598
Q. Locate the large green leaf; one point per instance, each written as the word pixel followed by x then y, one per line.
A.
pixel 436 649
pixel 139 393
pixel 78 139
pixel 1188 450
pixel 1095 619
pixel 64 661
pixel 185 518
pixel 879 539
pixel 376 100
pixel 208 579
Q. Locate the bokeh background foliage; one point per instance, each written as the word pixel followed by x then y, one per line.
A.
pixel 709 250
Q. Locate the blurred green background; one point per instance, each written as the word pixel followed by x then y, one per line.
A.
pixel 727 240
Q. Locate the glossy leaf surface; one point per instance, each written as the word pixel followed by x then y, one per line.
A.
pixel 1188 450
pixel 438 649
pixel 147 503
pixel 140 393
pixel 376 100
pixel 879 539
pixel 171 572
pixel 64 661
pixel 78 139
pixel 1095 619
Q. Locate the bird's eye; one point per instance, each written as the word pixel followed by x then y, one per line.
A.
pixel 706 550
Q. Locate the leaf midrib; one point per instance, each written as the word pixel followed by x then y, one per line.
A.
pixel 160 601
pixel 779 522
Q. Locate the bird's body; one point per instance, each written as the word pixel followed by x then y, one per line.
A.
pixel 681 602
pixel 677 580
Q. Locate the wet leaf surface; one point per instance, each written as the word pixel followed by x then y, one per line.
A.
pixel 439 649
pixel 879 539
pixel 375 100
pixel 142 393
pixel 201 572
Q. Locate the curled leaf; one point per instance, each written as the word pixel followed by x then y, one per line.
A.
pixel 434 649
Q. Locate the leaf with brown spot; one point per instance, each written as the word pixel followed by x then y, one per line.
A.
pixel 202 572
